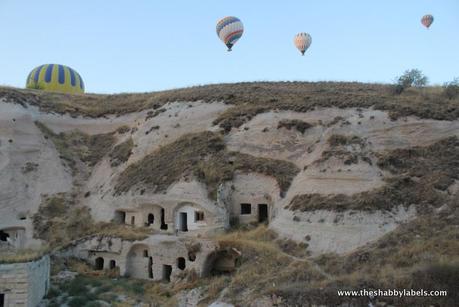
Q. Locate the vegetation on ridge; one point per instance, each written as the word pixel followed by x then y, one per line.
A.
pixel 252 98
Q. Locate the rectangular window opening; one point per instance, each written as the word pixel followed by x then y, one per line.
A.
pixel 246 209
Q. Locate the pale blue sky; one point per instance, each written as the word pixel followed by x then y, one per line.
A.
pixel 146 45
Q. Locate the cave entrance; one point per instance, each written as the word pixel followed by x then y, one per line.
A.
pixel 151 219
pixel 150 267
pixel 167 271
pixel 99 264
pixel 163 220
pixel 262 213
pixel 183 221
pixel 220 262
pixel 181 264
pixel 120 217
pixel 4 236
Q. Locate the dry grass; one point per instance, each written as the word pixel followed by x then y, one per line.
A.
pixel 77 146
pixel 204 156
pixel 263 267
pixel 121 152
pixel 349 149
pixel 59 221
pixel 344 140
pixel 21 255
pixel 92 286
pixel 299 125
pixel 421 174
pixel 422 254
pixel 251 98
pixel 90 290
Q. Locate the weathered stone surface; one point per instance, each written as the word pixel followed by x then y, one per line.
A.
pixel 26 283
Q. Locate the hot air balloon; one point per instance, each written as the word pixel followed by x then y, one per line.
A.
pixel 55 78
pixel 229 30
pixel 302 41
pixel 427 20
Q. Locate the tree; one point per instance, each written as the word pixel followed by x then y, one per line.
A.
pixel 412 77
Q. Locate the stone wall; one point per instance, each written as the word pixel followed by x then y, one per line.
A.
pixel 24 284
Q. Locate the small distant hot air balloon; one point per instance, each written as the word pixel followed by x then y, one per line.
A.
pixel 302 41
pixel 427 20
pixel 229 30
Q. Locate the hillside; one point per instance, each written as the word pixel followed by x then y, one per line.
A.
pixel 254 194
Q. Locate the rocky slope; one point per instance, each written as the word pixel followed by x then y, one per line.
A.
pixel 331 157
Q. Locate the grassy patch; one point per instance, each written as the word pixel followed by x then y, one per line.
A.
pixel 422 254
pixel 121 152
pixel 77 146
pixel 21 255
pixel 251 98
pixel 420 176
pixel 262 268
pixel 419 254
pixel 204 156
pixel 255 98
pixel 299 125
pixel 344 140
pixel 59 221
pixel 123 129
pixel 29 167
pixel 349 149
pixel 91 287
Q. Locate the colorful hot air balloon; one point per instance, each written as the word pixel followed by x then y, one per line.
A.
pixel 229 30
pixel 427 20
pixel 55 78
pixel 302 41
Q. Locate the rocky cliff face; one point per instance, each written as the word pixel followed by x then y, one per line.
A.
pixel 319 163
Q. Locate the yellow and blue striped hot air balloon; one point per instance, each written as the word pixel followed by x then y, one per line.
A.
pixel 229 30
pixel 55 78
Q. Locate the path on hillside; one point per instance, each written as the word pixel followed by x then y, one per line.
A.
pixel 315 265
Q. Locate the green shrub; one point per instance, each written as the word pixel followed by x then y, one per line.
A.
pixel 93 304
pixel 52 292
pixel 78 301
pixel 76 287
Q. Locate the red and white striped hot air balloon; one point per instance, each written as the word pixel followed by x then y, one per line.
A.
pixel 229 30
pixel 302 41
pixel 427 20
